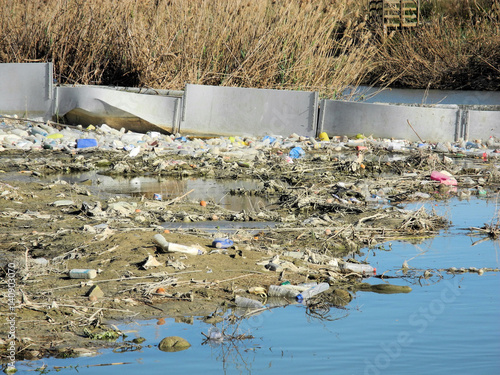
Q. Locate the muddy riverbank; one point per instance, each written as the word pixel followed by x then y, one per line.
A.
pixel 331 201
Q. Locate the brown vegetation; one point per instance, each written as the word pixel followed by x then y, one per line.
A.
pixel 321 45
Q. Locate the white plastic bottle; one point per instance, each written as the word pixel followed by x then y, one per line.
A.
pixel 281 291
pixel 311 292
pixel 364 269
pixel 78 273
pixel 247 303
pixel 174 247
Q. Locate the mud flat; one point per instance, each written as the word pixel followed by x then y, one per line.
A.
pixel 330 200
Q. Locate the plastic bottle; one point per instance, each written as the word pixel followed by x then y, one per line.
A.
pixel 306 294
pixel 364 269
pixel 174 247
pixel 281 291
pixel 78 273
pixel 214 333
pixel 37 130
pixel 222 243
pixel 247 302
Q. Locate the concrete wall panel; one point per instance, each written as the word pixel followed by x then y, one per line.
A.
pixel 387 121
pixel 211 110
pixel 137 112
pixel 483 124
pixel 27 90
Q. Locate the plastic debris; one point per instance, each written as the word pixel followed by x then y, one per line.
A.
pixel 222 243
pixel 296 152
pixel 443 177
pixel 85 143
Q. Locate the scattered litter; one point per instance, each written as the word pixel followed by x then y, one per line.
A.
pixel 444 177
pixel 95 291
pixel 86 143
pixel 296 152
pixel 78 273
pixel 175 248
pixel 150 262
pixel 62 203
pixel 311 292
pixel 247 303
pixel 222 243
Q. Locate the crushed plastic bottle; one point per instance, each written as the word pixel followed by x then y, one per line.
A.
pixel 222 243
pixel 247 303
pixel 311 292
pixel 364 269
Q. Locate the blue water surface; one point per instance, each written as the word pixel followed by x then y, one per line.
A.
pixel 446 324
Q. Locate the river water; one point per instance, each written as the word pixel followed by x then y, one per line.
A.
pixel 446 324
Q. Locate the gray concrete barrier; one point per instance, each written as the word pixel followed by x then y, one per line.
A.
pixel 214 110
pixel 27 90
pixel 389 121
pixel 138 112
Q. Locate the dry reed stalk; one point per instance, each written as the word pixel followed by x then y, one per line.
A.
pixel 303 45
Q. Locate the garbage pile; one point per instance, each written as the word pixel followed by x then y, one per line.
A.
pixel 27 135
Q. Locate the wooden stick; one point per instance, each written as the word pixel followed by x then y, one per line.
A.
pixel 421 140
pixel 178 198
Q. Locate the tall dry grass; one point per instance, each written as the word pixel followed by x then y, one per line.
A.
pixel 322 45
pixel 164 44
pixel 458 47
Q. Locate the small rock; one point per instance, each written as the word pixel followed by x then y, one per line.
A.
pixel 173 344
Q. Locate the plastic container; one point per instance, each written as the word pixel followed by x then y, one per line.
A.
pixel 222 243
pixel 443 177
pixel 282 291
pixel 174 247
pixel 247 303
pixel 311 292
pixel 364 269
pixel 37 130
pixel 84 143
pixel 82 273
pixel 296 152
pixel 215 334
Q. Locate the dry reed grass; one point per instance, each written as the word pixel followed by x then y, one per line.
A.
pixel 321 45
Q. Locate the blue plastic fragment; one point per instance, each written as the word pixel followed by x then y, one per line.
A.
pixel 222 243
pixel 296 152
pixel 271 139
pixel 84 143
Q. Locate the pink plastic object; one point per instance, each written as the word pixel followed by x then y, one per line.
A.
pixel 443 178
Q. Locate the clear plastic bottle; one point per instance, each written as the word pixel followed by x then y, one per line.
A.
pixel 364 269
pixel 281 291
pixel 174 247
pixel 311 292
pixel 247 303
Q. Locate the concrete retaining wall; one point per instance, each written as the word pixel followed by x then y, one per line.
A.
pixel 388 121
pixel 214 110
pixel 137 112
pixel 27 91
